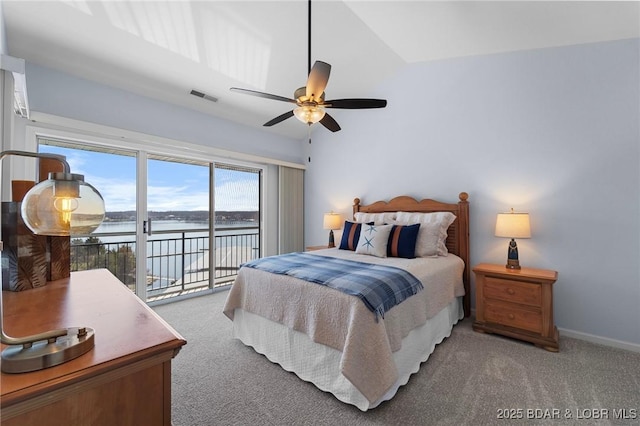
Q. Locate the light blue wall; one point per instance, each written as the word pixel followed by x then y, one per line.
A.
pixel 553 132
pixel 61 94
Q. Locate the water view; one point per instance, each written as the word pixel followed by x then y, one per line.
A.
pixel 178 250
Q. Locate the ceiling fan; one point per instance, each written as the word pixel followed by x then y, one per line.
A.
pixel 310 100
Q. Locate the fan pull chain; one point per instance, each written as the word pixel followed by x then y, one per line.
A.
pixel 309 140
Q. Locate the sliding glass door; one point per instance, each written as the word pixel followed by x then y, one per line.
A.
pixel 237 218
pixel 177 226
pixel 162 236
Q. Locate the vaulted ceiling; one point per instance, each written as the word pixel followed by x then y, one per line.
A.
pixel 164 49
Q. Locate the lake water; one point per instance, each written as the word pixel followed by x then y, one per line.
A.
pixel 165 248
pixel 167 225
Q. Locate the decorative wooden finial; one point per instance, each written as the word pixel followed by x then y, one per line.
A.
pixel 356 201
pixel 463 196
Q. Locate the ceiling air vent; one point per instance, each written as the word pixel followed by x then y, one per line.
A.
pixel 203 96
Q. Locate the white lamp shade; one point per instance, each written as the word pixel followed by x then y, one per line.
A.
pixel 513 225
pixel 332 221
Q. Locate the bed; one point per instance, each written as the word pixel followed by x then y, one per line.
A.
pixel 362 353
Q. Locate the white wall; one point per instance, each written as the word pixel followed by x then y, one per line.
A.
pixel 8 120
pixel 554 132
pixel 3 33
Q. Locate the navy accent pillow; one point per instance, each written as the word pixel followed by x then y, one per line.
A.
pixel 350 235
pixel 402 241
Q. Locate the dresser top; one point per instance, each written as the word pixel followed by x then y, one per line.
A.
pixel 126 329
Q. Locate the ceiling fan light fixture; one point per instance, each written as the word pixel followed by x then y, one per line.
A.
pixel 309 114
pixel 309 99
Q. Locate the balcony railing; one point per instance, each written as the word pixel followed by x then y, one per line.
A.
pixel 178 261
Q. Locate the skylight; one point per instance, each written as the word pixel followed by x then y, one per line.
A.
pixel 166 24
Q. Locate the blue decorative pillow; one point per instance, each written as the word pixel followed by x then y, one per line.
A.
pixel 350 235
pixel 402 241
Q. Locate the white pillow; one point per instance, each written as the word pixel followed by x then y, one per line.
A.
pixel 373 240
pixel 432 235
pixel 376 218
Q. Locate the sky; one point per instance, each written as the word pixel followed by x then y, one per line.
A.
pixel 171 185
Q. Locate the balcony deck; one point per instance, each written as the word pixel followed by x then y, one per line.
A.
pixel 196 276
pixel 178 261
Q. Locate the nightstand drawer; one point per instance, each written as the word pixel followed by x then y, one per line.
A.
pixel 512 316
pixel 512 291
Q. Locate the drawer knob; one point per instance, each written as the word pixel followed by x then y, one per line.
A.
pixel 511 316
pixel 511 291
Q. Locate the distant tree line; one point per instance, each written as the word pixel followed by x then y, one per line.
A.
pixel 191 216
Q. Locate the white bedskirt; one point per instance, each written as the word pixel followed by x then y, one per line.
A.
pixel 320 364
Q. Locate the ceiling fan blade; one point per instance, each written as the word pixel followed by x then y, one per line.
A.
pixel 278 119
pixel 262 95
pixel 318 79
pixel 355 103
pixel 331 124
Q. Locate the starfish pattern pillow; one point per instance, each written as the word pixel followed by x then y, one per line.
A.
pixel 373 240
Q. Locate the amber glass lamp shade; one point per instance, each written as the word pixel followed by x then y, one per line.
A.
pixel 63 205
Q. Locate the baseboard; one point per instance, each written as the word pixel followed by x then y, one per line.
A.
pixel 634 347
pixel 620 344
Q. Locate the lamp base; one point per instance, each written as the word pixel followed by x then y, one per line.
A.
pixel 39 355
pixel 513 264
pixel 512 255
pixel 332 241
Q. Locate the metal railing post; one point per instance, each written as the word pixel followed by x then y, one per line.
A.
pixel 182 257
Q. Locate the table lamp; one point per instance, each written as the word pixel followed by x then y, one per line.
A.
pixel 332 221
pixel 513 225
pixel 62 205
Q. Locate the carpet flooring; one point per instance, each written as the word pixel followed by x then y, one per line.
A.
pixel 470 379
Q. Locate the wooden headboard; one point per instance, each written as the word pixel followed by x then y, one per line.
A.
pixel 458 232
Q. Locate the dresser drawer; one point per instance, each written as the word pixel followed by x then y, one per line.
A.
pixel 513 316
pixel 512 291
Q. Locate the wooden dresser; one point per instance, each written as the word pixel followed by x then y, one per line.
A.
pixel 124 380
pixel 516 303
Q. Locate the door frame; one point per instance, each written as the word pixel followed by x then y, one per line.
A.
pixel 142 216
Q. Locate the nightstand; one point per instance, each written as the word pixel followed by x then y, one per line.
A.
pixel 517 303
pixel 314 248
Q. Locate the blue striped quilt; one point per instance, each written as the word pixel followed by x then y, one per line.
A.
pixel 380 287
